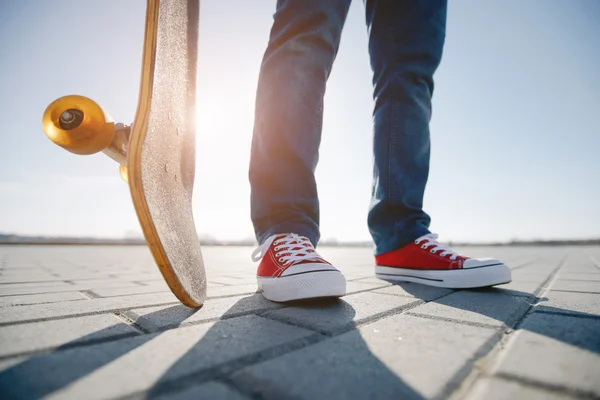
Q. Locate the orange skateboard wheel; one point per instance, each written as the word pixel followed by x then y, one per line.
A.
pixel 77 124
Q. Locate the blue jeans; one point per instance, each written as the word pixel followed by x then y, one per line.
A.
pixel 406 39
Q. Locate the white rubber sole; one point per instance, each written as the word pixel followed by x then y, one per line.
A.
pixel 467 278
pixel 303 286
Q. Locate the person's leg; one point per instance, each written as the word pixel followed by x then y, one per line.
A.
pixel 302 47
pixel 287 132
pixel 406 39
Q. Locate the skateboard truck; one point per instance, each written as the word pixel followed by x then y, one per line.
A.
pixel 79 125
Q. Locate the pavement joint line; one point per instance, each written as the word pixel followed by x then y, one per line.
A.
pixel 523 296
pixel 220 283
pixel 366 277
pixel 130 315
pixel 42 302
pixel 466 376
pixel 241 391
pixel 352 325
pixel 546 386
pixel 525 264
pixel 489 358
pixel 572 291
pixel 224 370
pixel 60 291
pixel 107 311
pixel 595 261
pixel 580 280
pixel 89 294
pixel 123 317
pixel 370 290
pixel 502 327
pixel 42 281
pixel 141 283
pixel 358 279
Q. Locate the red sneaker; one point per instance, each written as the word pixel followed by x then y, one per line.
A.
pixel 291 269
pixel 428 262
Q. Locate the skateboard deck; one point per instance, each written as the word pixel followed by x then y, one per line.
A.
pixel 157 154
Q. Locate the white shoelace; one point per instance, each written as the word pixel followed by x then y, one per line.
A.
pixel 289 249
pixel 431 240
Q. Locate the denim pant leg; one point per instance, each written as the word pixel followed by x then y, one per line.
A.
pixel 303 44
pixel 406 39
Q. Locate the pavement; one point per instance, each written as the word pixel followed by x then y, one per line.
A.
pixel 97 322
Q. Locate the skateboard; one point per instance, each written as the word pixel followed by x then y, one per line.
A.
pixel 156 154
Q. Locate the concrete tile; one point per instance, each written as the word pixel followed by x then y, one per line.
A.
pixel 577 286
pixel 426 293
pixel 154 319
pixel 208 390
pixel 398 357
pixel 488 306
pixel 26 299
pixel 24 338
pixel 565 302
pixel 123 367
pixel 496 389
pixel 331 316
pixel 69 308
pixel 62 287
pixel 556 350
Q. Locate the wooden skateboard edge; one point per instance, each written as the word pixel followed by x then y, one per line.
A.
pixel 138 135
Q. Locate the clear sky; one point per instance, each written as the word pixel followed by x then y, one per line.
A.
pixel 515 129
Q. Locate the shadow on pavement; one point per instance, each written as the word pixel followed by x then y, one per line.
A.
pixel 306 364
pixel 507 306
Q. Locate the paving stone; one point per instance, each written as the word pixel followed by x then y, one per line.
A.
pixel 226 280
pixel 354 287
pixel 331 316
pixel 127 366
pixel 219 291
pixel 209 390
pixel 426 293
pixel 375 280
pixel 577 286
pixel 520 288
pixel 580 276
pixel 555 350
pixel 490 307
pixel 96 282
pixel 69 308
pixel 7 301
pixel 34 277
pixel 496 389
pixel 527 277
pixel 398 357
pixel 150 282
pixel 18 339
pixel 357 276
pixel 154 319
pixel 137 275
pixel 7 363
pixel 61 287
pixel 565 302
pixel 124 291
pixel 7 287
